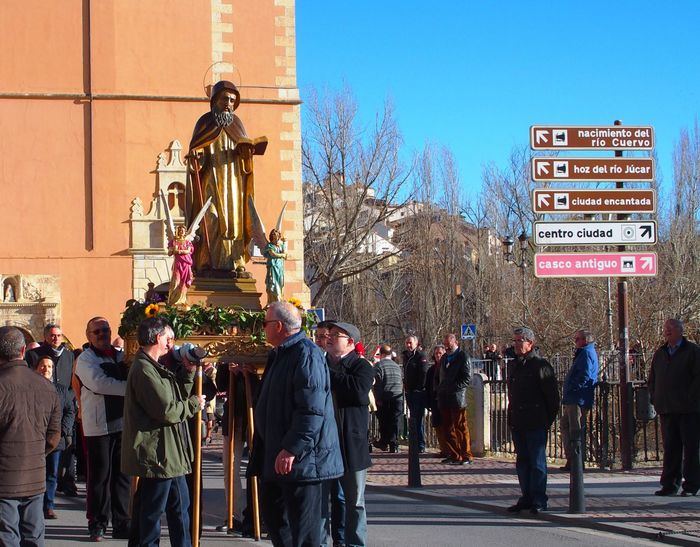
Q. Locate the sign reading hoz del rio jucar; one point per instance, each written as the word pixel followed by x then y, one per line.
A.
pixel 593 169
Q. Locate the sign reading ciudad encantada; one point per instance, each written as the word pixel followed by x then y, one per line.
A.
pixel 592 201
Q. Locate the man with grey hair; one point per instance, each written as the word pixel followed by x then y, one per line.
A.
pixel 674 387
pixel 25 440
pixel 296 444
pixel 533 401
pixel 578 391
pixel 156 442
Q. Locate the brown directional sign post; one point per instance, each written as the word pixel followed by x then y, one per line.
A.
pixel 627 201
pixel 593 169
pixel 591 137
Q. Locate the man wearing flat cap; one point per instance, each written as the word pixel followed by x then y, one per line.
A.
pixel 224 173
pixel 351 381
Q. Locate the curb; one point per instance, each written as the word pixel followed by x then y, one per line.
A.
pixel 629 530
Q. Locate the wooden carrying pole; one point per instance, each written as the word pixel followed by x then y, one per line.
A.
pixel 229 451
pixel 197 471
pixel 253 480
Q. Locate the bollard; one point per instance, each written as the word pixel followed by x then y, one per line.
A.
pixel 577 496
pixel 414 480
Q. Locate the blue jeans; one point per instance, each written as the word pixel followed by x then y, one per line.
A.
pixel 153 497
pixel 51 478
pixel 531 465
pixel 353 483
pixel 333 527
pixel 22 521
pixel 417 401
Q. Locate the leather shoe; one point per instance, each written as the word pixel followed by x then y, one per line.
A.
pixel 687 492
pixel 565 467
pixel 516 508
pixel 666 492
pixel 534 510
pixel 49 514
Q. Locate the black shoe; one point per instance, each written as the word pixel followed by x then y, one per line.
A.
pixel 380 446
pixel 666 492
pixel 566 467
pixel 393 448
pixel 534 510
pixel 448 460
pixel 687 492
pixel 122 530
pixel 70 492
pixel 517 508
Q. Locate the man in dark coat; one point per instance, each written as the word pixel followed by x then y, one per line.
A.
pixel 296 439
pixel 54 347
pixel 25 440
pixel 674 386
pixel 533 402
pixel 388 393
pixel 351 378
pixel 452 402
pixel 415 369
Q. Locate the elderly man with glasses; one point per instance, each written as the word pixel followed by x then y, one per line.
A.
pixel 102 377
pixel 296 440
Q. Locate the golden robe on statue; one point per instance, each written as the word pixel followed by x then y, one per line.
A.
pixel 224 165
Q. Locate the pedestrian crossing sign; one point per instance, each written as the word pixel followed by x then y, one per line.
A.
pixel 468 331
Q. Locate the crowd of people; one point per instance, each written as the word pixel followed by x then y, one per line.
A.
pixel 134 426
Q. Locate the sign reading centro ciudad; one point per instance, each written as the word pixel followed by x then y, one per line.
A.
pixel 593 201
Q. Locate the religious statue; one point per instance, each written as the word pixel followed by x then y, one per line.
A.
pixel 276 253
pixel 9 293
pixel 180 246
pixel 274 250
pixel 221 168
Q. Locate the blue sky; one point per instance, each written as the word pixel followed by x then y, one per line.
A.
pixel 475 75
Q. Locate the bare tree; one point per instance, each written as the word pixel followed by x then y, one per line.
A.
pixel 352 183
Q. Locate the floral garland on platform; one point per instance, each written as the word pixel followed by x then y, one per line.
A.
pixel 205 320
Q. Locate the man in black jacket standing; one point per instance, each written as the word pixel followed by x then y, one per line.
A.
pixel 415 369
pixel 533 401
pixel 351 380
pixel 452 402
pixel 388 392
pixel 54 347
pixel 674 386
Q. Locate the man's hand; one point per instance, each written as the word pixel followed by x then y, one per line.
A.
pixel 283 462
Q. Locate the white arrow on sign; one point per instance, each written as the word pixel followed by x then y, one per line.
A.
pixel 542 167
pixel 543 200
pixel 541 136
pixel 647 263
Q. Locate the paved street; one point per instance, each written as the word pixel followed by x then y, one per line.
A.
pixel 466 505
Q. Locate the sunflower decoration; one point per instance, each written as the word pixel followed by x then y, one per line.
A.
pixel 151 310
pixel 296 303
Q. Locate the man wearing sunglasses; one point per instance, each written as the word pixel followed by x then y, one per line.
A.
pixel 102 377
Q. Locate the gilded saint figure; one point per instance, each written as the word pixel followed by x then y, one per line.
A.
pixel 221 168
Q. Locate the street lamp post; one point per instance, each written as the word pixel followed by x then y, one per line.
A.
pixel 520 262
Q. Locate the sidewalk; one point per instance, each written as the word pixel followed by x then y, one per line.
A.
pixel 616 501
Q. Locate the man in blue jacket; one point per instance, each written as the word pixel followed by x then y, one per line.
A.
pixel 578 392
pixel 296 439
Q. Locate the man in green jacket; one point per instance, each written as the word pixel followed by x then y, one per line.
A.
pixel 156 445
